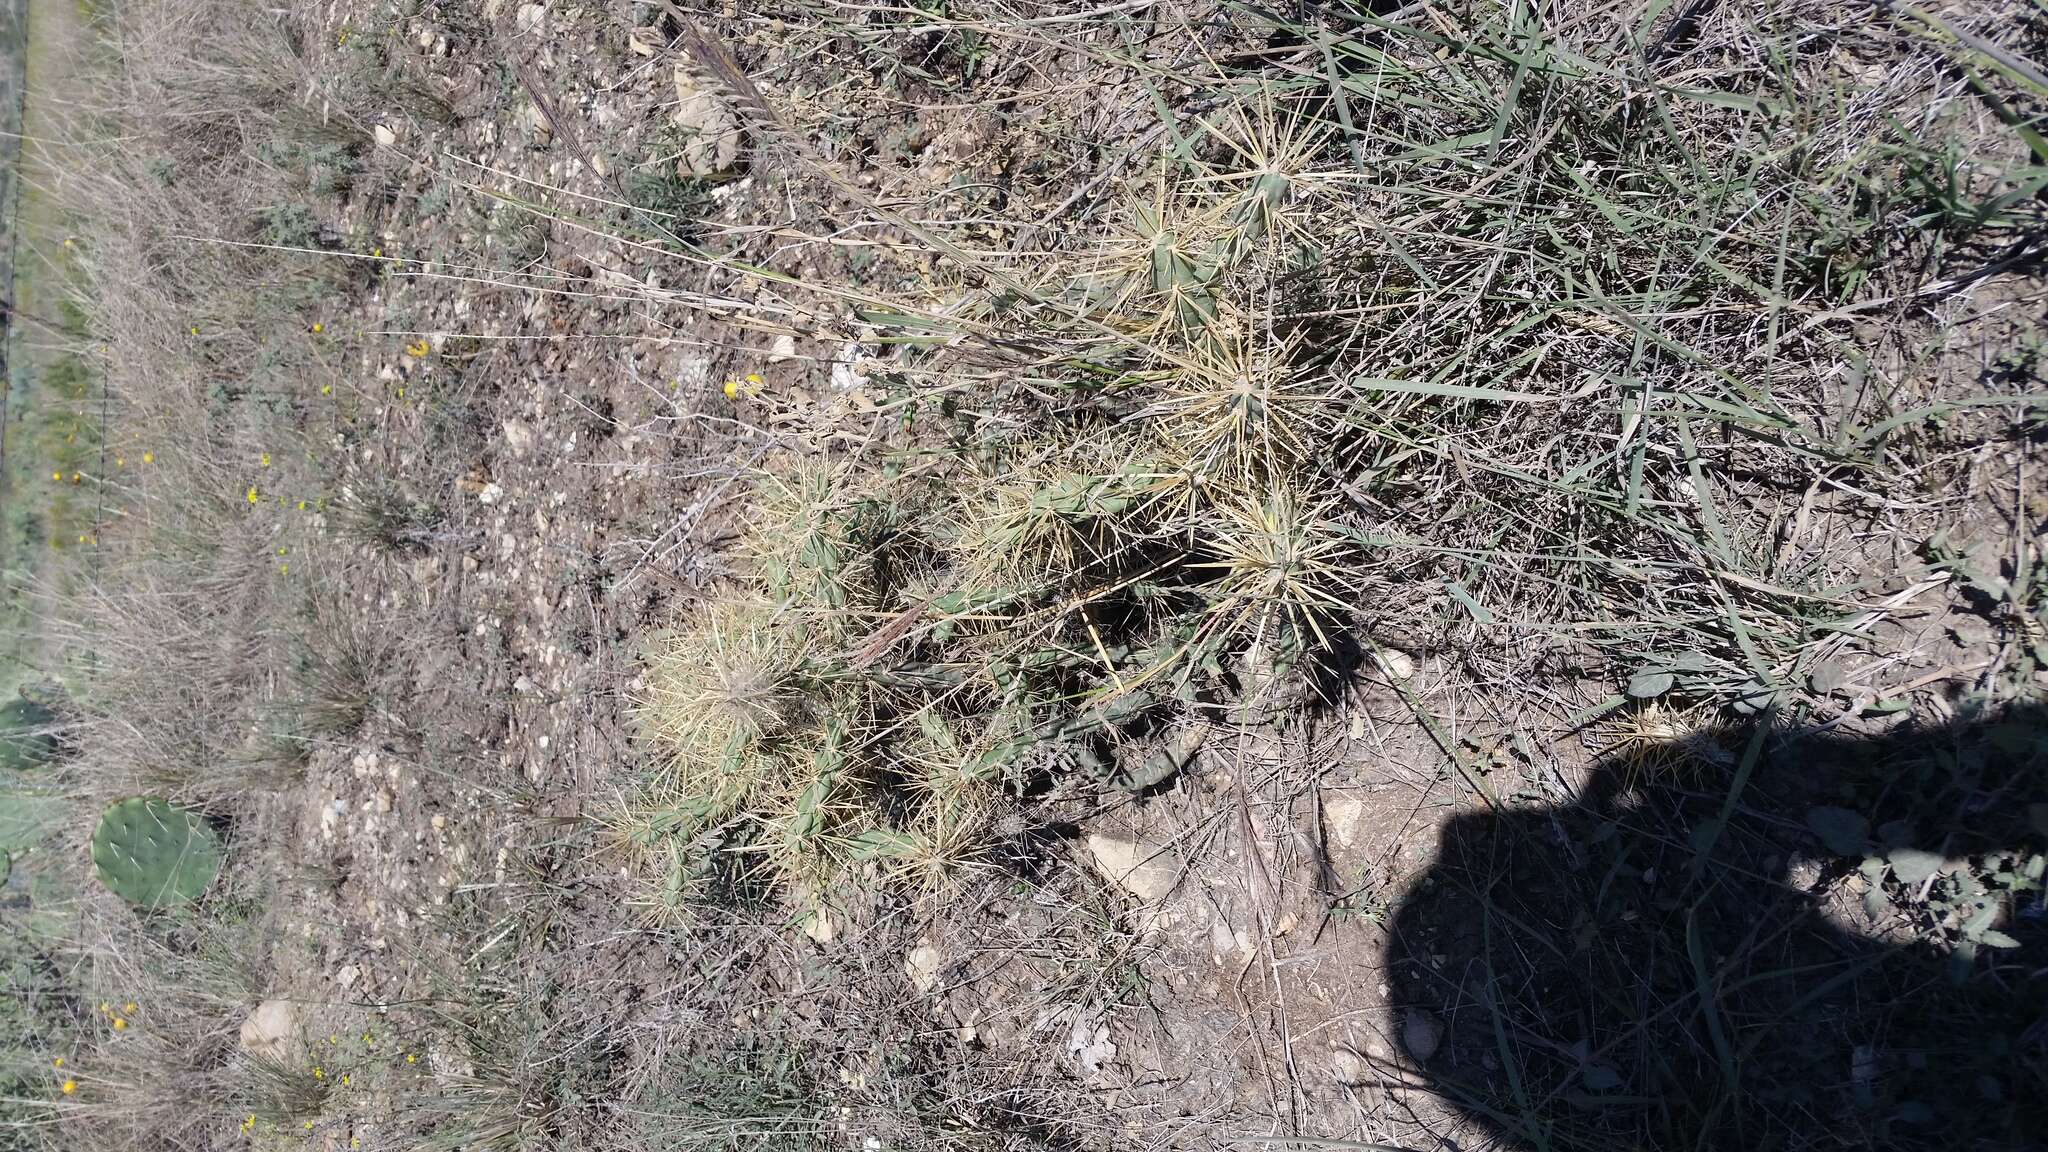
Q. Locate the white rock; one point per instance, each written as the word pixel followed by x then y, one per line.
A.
pixel 385 136
pixel 1397 664
pixel 923 966
pixel 518 437
pixel 531 17
pixel 784 349
pixel 270 1029
pixel 710 130
pixel 1344 818
pixel 1145 869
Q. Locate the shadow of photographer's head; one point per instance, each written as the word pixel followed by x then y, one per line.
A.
pixel 1748 939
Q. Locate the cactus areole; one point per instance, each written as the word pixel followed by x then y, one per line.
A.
pixel 154 855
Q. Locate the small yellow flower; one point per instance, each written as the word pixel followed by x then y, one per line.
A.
pixel 401 393
pixel 327 389
pixel 355 1142
pixel 129 1008
pixel 732 389
pixel 81 538
pixel 284 569
pixel 57 1063
pixel 369 1039
pixel 319 1073
pixel 418 349
pixel 334 1037
pixel 105 1007
pixel 253 497
pixel 195 329
pixel 344 1079
pixel 412 1058
pixel 149 457
pixel 120 461
pixel 302 505
pixel 67 241
pixel 318 327
pixel 76 477
pixel 120 1025
pixel 309 1125
pixel 266 459
pixel 376 252
pixel 249 1122
pixel 58 476
pixel 68 1087
pixel 754 378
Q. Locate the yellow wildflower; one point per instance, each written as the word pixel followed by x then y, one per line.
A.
pixel 149 457
pixel 76 477
pixel 120 1025
pixel 284 569
pixel 327 389
pixel 302 505
pixel 266 459
pixel 129 1008
pixel 120 461
pixel 68 1087
pixel 732 389
pixel 253 497
pixel 318 327
pixel 59 476
pixel 418 349
pixel 195 329
pixel 754 378
pixel 412 1058
pixel 319 1073
pixel 344 1079
pixel 57 1063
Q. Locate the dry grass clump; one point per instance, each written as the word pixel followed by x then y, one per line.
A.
pixel 1523 341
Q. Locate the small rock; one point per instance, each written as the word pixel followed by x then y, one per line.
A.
pixel 1348 1067
pixel 531 17
pixel 710 130
pixel 784 349
pixel 823 929
pixel 1397 664
pixel 1344 818
pixel 518 436
pixel 385 136
pixel 1145 869
pixel 1422 1034
pixel 270 1029
pixel 923 967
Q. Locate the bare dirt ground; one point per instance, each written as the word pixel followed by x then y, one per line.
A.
pixel 556 403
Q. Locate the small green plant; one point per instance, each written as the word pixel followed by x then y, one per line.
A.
pixel 153 854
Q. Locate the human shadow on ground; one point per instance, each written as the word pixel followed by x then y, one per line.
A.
pixel 1685 957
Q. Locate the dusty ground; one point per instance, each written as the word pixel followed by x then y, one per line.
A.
pixel 1130 973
